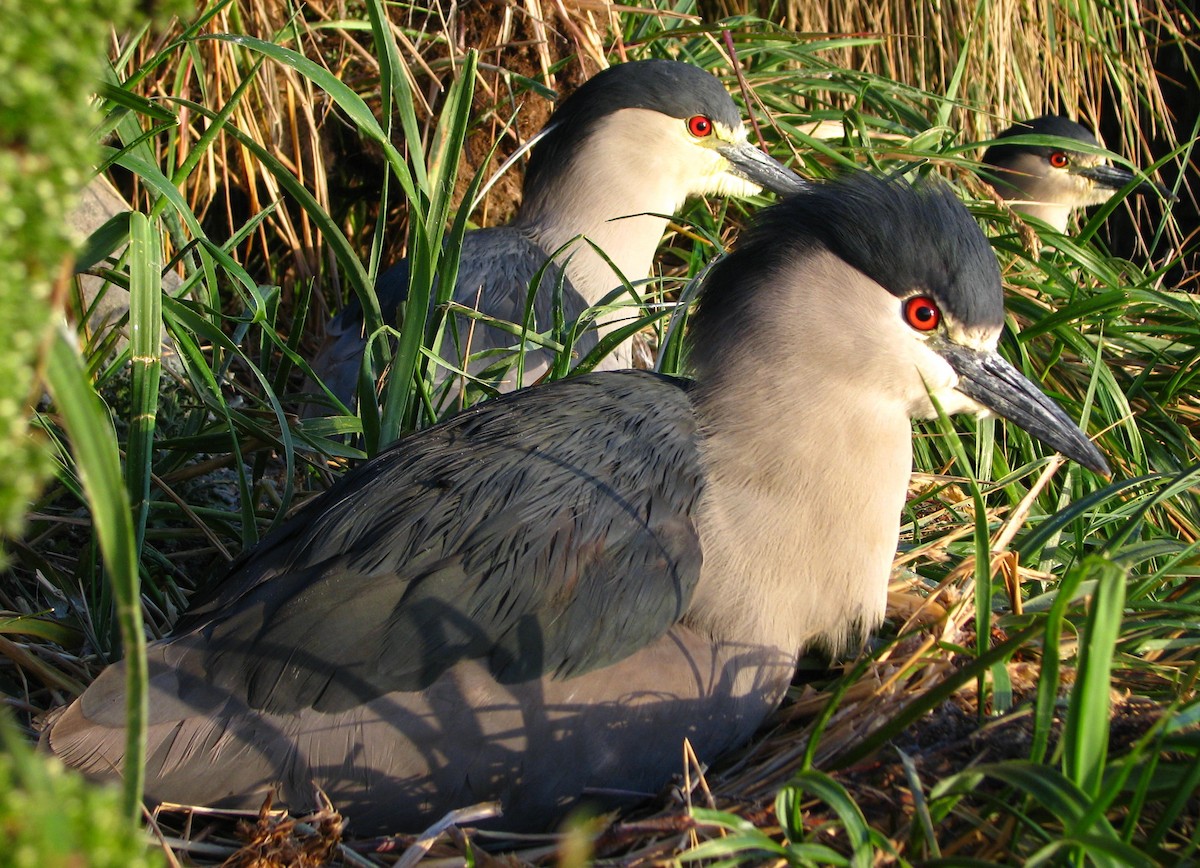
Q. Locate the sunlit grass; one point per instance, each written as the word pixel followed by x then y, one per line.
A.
pixel 282 158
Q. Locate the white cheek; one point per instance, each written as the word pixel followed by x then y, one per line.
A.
pixel 954 403
pixel 941 381
pixel 723 183
pixel 711 175
pixel 1095 194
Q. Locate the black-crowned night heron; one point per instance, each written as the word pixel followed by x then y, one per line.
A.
pixel 1048 182
pixel 617 158
pixel 548 592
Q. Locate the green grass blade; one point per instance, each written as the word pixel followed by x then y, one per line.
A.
pixel 741 843
pixel 426 258
pixel 398 98
pixel 859 836
pixel 94 447
pixel 933 697
pixel 360 114
pixel 983 551
pixel 966 55
pixel 1085 734
pixel 1048 680
pixel 145 321
pixel 103 242
pixel 134 103
pixel 346 99
pixel 346 255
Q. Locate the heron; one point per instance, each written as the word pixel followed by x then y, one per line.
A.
pixel 1049 182
pixel 538 599
pixel 615 161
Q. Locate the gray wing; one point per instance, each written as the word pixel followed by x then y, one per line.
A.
pixel 496 270
pixel 546 532
pixel 338 361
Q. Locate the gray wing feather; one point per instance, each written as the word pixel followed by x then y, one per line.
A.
pixel 496 270
pixel 546 532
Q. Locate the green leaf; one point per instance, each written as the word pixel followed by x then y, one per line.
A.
pixel 426 258
pixel 103 242
pixel 1085 733
pixel 132 101
pixel 821 785
pixel 94 447
pixel 345 98
pixel 145 323
pixel 1048 680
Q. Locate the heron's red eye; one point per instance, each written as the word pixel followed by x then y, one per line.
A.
pixel 1059 160
pixel 700 126
pixel 922 313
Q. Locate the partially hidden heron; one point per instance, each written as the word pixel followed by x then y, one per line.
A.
pixel 1049 182
pixel 545 595
pixel 617 158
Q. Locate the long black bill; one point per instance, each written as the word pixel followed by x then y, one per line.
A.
pixel 1116 177
pixel 991 381
pixel 753 165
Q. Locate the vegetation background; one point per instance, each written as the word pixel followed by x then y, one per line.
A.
pixel 1033 697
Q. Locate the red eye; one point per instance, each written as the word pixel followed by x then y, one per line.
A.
pixel 1059 160
pixel 922 313
pixel 699 126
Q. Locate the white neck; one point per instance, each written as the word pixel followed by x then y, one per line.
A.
pixel 799 539
pixel 1055 215
pixel 620 208
pixel 629 242
pixel 801 513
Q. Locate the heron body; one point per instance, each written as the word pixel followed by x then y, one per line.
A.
pixel 617 158
pixel 1049 182
pixel 545 595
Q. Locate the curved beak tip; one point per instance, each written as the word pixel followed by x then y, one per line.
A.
pixel 992 382
pixel 1097 464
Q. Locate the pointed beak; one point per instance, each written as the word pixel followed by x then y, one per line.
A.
pixel 1116 177
pixel 986 378
pixel 747 161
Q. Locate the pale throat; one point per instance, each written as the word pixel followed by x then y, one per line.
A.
pixel 1057 216
pixel 621 208
pixel 801 520
pixel 623 224
pixel 628 241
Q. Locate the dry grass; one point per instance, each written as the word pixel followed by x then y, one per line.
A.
pixel 1005 62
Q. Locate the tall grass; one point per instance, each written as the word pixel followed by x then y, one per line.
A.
pixel 1033 696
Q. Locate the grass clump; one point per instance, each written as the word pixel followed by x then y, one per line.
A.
pixel 51 817
pixel 1033 696
pixel 50 59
